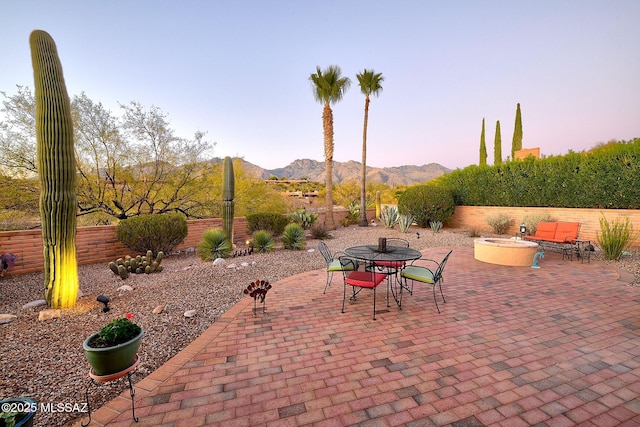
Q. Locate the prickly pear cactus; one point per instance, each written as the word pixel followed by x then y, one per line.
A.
pixel 228 193
pixel 57 173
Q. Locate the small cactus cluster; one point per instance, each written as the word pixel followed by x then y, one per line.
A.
pixel 140 264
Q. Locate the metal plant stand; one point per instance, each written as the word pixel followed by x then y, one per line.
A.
pixel 101 379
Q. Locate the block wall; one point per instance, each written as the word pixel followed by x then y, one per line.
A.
pixel 100 244
pixel 474 217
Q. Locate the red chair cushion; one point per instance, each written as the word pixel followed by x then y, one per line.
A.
pixel 391 264
pixel 365 279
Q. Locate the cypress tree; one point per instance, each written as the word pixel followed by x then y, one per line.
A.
pixel 516 144
pixel 483 147
pixel 497 146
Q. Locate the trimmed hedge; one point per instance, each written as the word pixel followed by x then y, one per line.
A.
pixel 606 177
pixel 427 203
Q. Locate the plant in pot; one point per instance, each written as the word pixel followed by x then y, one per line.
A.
pixel 17 412
pixel 115 347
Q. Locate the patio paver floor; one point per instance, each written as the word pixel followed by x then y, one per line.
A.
pixel 555 346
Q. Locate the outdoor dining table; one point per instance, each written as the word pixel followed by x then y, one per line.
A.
pixel 372 254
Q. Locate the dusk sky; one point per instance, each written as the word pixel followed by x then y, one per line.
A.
pixel 239 70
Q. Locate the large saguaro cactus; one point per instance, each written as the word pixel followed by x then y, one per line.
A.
pixel 228 193
pixel 57 172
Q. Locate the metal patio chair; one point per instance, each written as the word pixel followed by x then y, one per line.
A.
pixel 359 280
pixel 420 273
pixel 333 263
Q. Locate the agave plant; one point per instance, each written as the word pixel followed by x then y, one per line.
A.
pixel 404 222
pixel 215 244
pixel 262 241
pixel 293 237
pixel 435 226
pixel 389 216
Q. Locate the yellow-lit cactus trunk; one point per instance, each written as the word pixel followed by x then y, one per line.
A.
pixel 228 194
pixel 57 172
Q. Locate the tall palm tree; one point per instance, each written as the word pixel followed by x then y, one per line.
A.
pixel 328 88
pixel 370 84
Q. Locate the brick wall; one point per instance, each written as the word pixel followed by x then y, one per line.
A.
pixel 100 244
pixel 474 217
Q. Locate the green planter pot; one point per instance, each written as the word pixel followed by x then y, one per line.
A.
pixel 26 406
pixel 109 360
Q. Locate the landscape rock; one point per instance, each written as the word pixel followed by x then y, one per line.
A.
pixel 125 288
pixel 245 264
pixel 48 314
pixel 36 303
pixel 190 313
pixel 159 309
pixel 219 261
pixel 7 318
pixel 232 265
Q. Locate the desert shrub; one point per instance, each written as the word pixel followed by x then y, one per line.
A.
pixel 214 244
pixel 427 203
pixel 262 241
pixel 474 232
pixel 615 238
pixel 389 216
pixel 435 226
pixel 404 222
pixel 274 223
pixel 155 232
pixel 319 232
pixel 500 223
pixel 293 237
pixel 304 218
pixel 531 221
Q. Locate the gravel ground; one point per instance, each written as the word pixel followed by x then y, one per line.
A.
pixel 44 359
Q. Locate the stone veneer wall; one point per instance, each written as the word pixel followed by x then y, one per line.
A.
pixel 474 218
pixel 100 244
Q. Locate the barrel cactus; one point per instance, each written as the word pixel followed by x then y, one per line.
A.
pixel 57 173
pixel 138 265
pixel 228 192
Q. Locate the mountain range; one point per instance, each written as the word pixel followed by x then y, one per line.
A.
pixel 344 171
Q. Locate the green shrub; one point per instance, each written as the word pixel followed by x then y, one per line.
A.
pixel 499 222
pixel 262 241
pixel 155 232
pixel 293 237
pixel 274 223
pixel 389 216
pixel 427 203
pixel 214 244
pixel 532 221
pixel 615 238
pixel 304 218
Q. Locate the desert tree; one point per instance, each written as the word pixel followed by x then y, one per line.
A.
pixel 516 143
pixel 483 147
pixel 497 146
pixel 370 84
pixel 329 87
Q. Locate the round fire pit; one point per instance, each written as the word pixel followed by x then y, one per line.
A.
pixel 518 253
